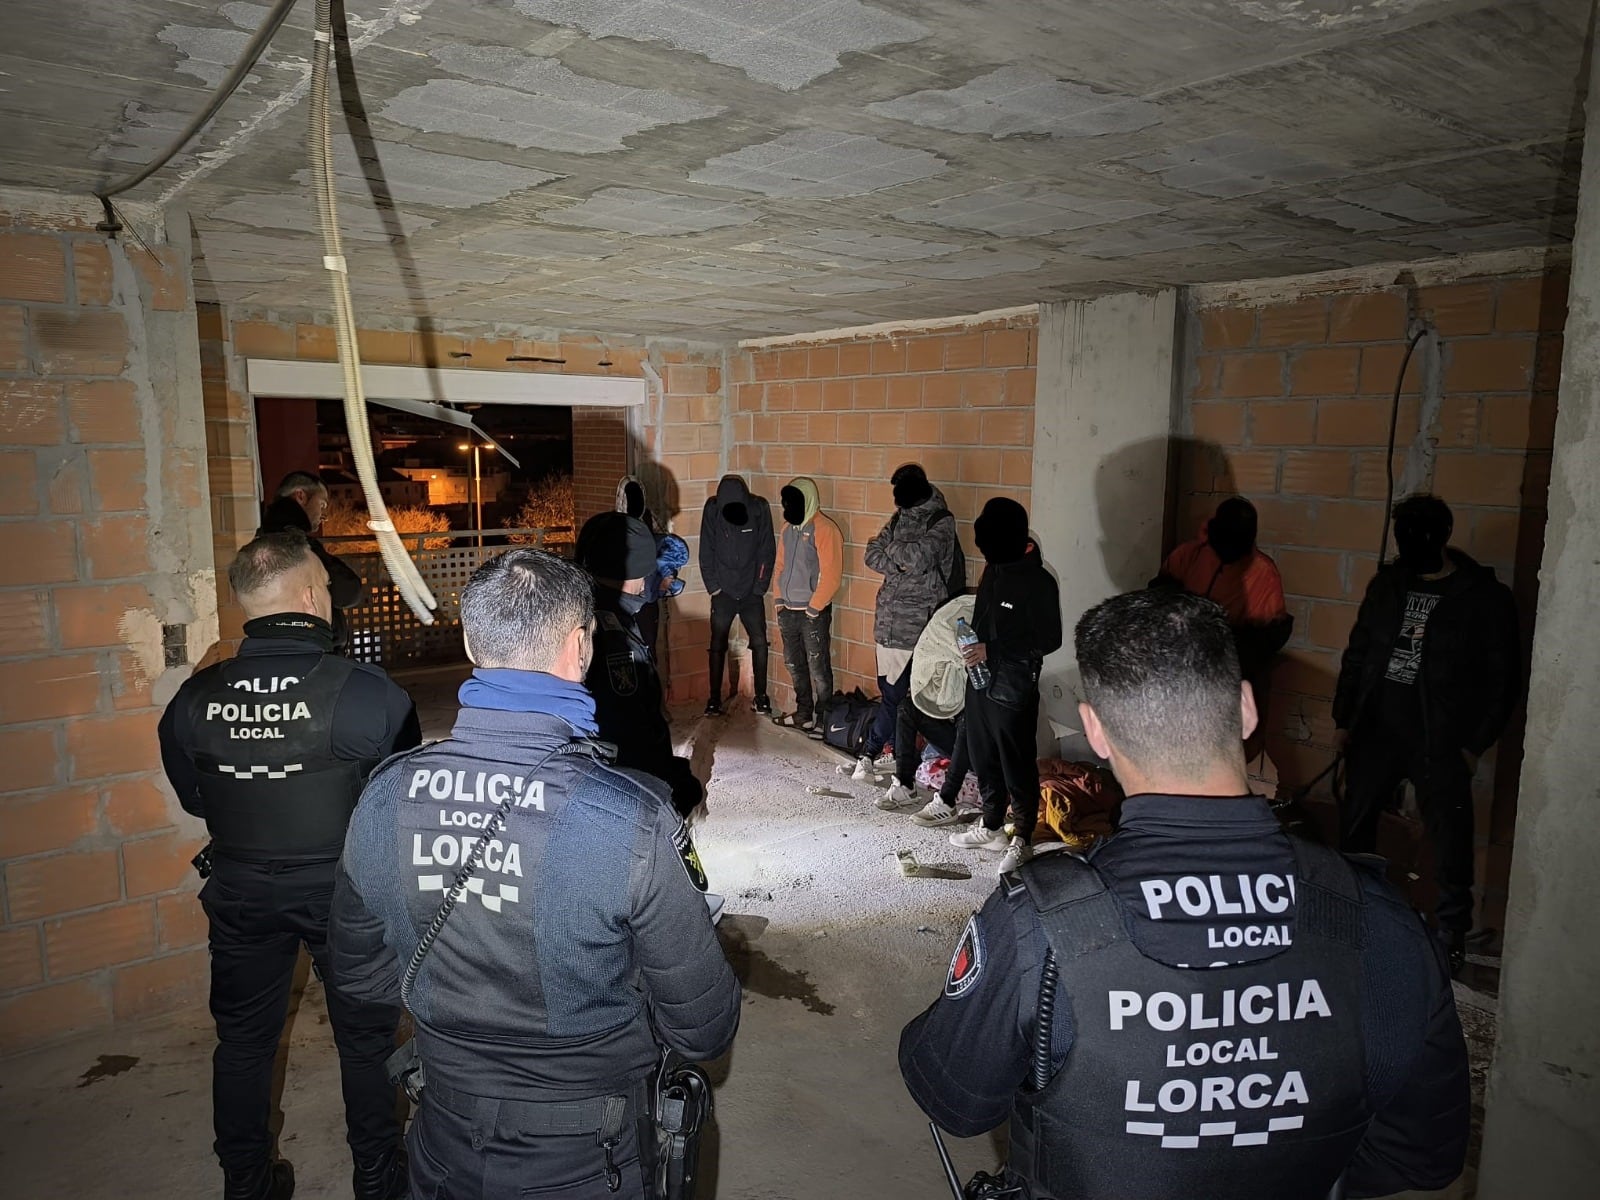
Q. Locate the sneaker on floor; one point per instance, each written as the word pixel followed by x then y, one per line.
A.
pixel 714 708
pixel 763 705
pixel 979 838
pixel 936 812
pixel 1017 853
pixel 897 796
pixel 863 768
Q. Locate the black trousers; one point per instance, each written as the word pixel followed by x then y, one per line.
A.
pixel 1376 763
pixel 1003 744
pixel 808 653
pixel 890 692
pixel 483 1149
pixel 260 915
pixel 948 737
pixel 752 614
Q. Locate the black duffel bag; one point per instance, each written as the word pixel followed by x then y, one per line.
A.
pixel 848 726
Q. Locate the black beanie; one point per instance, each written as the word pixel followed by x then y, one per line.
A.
pixel 1001 530
pixel 911 486
pixel 614 545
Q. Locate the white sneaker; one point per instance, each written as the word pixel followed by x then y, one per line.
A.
pixel 714 905
pixel 1017 853
pixel 979 838
pixel 897 797
pixel 863 768
pixel 936 812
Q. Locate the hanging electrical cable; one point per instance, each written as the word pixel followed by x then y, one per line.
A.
pixel 1394 422
pixel 402 571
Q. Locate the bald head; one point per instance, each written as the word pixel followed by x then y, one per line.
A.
pixel 278 573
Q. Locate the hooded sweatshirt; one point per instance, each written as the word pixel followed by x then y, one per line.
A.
pixel 914 553
pixel 810 560
pixel 639 506
pixel 1017 615
pixel 737 548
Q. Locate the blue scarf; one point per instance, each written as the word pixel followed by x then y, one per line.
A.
pixel 531 691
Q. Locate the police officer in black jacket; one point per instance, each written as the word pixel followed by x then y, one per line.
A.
pixel 620 551
pixel 301 502
pixel 1238 1013
pixel 272 748
pixel 582 944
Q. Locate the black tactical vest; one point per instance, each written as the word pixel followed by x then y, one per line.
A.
pixel 271 786
pixel 1245 1080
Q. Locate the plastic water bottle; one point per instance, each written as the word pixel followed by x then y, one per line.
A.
pixel 978 673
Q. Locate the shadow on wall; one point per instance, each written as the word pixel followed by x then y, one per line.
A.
pixel 1132 542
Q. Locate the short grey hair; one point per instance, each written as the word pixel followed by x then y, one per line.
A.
pixel 262 562
pixel 518 609
pixel 300 481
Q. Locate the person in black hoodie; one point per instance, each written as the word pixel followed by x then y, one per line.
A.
pixel 1426 685
pixel 737 552
pixel 1017 617
pixel 301 502
pixel 619 551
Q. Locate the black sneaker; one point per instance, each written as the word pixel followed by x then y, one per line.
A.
pixel 383 1178
pixel 270 1181
pixel 763 705
pixel 714 708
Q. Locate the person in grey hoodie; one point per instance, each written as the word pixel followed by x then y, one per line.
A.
pixel 737 550
pixel 809 570
pixel 920 559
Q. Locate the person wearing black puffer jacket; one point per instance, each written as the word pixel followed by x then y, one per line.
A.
pixel 1426 685
pixel 737 553
pixel 1017 617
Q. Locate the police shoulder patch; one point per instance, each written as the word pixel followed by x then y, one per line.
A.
pixel 622 674
pixel 966 965
pixel 684 845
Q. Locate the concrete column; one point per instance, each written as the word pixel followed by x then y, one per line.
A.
pixel 1102 423
pixel 1542 1134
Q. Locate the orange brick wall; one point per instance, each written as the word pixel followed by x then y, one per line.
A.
pixel 848 412
pixel 599 459
pixel 1289 403
pixel 102 497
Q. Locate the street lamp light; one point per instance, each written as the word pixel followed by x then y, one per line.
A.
pixel 477 485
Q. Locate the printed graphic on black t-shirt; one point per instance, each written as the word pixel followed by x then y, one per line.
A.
pixel 1405 660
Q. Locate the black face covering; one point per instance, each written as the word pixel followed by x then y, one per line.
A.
pixel 911 486
pixel 735 513
pixel 1231 533
pixel 794 505
pixel 633 497
pixel 1420 546
pixel 1001 531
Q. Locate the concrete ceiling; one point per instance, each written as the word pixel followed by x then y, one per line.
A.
pixel 720 168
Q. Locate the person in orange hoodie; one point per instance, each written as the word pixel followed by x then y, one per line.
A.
pixel 1224 566
pixel 806 576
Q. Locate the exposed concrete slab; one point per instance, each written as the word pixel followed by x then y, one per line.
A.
pixel 1022 100
pixel 636 210
pixel 818 164
pixel 417 176
pixel 1008 211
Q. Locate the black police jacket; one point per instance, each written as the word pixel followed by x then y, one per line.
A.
pixel 1017 616
pixel 271 747
pixel 583 943
pixel 628 700
pixel 1213 993
pixel 1471 673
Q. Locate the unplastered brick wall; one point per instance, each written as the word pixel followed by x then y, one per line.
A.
pixel 1289 403
pixel 958 399
pixel 106 594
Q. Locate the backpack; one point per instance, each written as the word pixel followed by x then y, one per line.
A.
pixel 955 576
pixel 848 725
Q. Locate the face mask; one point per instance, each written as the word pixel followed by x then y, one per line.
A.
pixel 794 506
pixel 1229 543
pixel 631 604
pixel 735 514
pixel 1419 552
pixel 911 490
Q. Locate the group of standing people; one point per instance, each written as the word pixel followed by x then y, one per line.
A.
pixel 1016 622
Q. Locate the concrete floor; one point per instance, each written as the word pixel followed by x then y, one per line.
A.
pixel 835 948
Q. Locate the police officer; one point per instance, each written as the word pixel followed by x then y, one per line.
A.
pixel 301 502
pixel 581 943
pixel 1238 1012
pixel 272 748
pixel 620 551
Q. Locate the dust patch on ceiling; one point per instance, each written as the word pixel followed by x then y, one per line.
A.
pixel 1007 210
pixel 975 264
pixel 362 224
pixel 417 176
pixel 1230 165
pixel 783 42
pixel 816 164
pixel 525 101
pixel 1016 100
pixel 639 210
